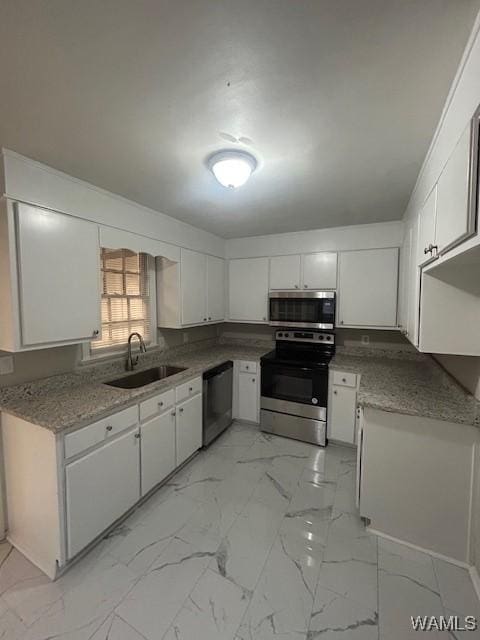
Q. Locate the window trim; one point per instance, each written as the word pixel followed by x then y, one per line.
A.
pixel 107 353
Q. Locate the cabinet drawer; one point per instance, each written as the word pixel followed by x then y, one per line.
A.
pixel 188 389
pixel 97 432
pixel 345 379
pixel 248 367
pixel 159 403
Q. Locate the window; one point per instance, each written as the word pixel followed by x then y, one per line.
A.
pixel 125 298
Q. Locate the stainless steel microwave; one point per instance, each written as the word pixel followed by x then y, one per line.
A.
pixel 308 309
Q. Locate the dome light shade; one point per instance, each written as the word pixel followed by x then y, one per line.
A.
pixel 232 168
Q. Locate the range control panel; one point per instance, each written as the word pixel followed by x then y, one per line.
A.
pixel 305 336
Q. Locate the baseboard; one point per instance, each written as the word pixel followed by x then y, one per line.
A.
pixel 475 579
pixel 435 554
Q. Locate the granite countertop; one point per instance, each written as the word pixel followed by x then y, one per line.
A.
pixel 408 383
pixel 71 401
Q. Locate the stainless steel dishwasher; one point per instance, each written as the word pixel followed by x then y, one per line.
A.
pixel 217 401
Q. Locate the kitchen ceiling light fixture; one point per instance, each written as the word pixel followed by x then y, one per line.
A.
pixel 232 169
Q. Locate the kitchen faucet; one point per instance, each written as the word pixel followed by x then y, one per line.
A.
pixel 130 363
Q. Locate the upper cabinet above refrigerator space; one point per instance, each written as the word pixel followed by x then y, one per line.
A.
pixel 309 271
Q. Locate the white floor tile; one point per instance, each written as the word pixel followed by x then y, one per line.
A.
pixel 211 612
pixel 456 588
pixel 337 618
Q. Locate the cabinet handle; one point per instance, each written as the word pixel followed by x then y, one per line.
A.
pixel 109 427
pixel 434 247
pixel 137 436
pixel 95 332
pixel 173 414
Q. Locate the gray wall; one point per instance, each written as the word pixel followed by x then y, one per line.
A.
pixel 31 365
pixel 466 369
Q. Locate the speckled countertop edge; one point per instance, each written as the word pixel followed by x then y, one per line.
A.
pixel 409 383
pixel 71 401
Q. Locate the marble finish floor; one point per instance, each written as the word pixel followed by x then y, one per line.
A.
pixel 257 538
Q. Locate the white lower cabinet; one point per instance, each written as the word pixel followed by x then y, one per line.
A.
pixel 158 449
pixel 342 407
pixel 248 397
pixel 188 428
pixel 100 487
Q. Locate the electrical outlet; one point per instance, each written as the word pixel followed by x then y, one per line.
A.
pixel 6 365
pixel 365 339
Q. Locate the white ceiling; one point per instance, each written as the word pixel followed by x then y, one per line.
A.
pixel 337 99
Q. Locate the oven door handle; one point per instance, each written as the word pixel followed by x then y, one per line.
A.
pixel 293 366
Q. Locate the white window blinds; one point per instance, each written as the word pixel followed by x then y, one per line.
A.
pixel 125 298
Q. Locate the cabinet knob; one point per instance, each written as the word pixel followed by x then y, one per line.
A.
pixel 181 409
pixel 137 436
pixel 305 286
pixel 246 367
pixel 95 333
pixel 204 319
pixel 296 286
pixel 335 392
pixel 190 389
pixel 253 380
pixel 109 427
pixel 264 318
pixel 344 379
pixel 209 317
pixel 160 404
pixel 173 414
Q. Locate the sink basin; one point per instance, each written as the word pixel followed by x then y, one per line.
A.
pixel 140 379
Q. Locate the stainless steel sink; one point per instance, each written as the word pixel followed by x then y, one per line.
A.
pixel 142 378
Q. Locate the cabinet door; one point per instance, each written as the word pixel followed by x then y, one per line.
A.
pixel 101 487
pixel 194 287
pixel 320 271
pixel 368 288
pixel 426 233
pixel 248 397
pixel 342 414
pixel 189 428
pixel 285 272
pixel 248 289
pixel 59 276
pixel 215 289
pixel 455 220
pixel 158 449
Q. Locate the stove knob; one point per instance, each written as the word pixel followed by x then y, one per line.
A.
pixel 280 335
pixel 287 335
pixel 329 337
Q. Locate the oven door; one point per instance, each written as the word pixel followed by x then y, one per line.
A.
pixel 307 309
pixel 298 390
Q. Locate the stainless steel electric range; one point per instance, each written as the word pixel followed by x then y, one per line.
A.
pixel 294 383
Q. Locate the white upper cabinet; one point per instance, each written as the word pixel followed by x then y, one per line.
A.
pixel 58 277
pixel 191 292
pixel 215 289
pixel 309 271
pixel 194 287
pixel 426 233
pixel 248 290
pixel 285 272
pixel 368 283
pixel 455 218
pixel 320 270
